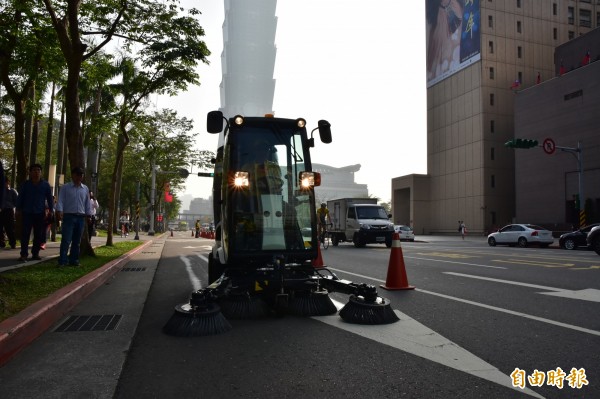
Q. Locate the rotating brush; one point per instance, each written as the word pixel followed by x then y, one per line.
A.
pixel 360 311
pixel 243 306
pixel 200 317
pixel 311 303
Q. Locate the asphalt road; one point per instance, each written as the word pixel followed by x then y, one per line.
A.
pixel 477 314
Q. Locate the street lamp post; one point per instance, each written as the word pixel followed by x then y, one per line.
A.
pixel 152 195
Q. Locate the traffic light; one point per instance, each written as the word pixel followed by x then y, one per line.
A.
pixel 183 172
pixel 206 174
pixel 521 143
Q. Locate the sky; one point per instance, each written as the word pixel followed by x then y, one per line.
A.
pixel 358 64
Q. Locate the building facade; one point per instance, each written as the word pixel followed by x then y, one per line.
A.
pixel 481 53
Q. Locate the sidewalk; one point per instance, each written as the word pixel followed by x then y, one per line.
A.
pixel 19 331
pixel 9 258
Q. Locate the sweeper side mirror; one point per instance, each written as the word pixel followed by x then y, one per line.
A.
pixel 324 131
pixel 214 122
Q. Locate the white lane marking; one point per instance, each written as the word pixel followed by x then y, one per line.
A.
pixel 541 319
pixel 589 294
pixel 410 336
pixel 196 284
pixel 457 263
pixel 514 313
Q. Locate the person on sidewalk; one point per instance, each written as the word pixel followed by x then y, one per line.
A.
pixel 7 216
pixel 73 208
pixel 31 205
pixel 94 205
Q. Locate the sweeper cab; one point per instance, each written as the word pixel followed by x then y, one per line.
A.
pixel 266 226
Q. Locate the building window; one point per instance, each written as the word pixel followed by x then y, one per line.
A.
pixel 491 44
pixel 493 218
pixel 492 153
pixel 555 34
pixel 491 72
pixel 492 126
pixel 571 15
pixel 571 35
pixel 490 21
pixel 519 26
pixel 520 77
pixel 518 3
pixel 519 52
pixel 585 18
pixel 493 181
pixel 492 99
pixel 554 9
pixel 598 19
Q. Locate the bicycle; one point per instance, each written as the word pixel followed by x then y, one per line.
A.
pixel 324 236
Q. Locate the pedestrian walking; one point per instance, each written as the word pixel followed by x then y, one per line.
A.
pixel 7 216
pixel 31 207
pixel 462 229
pixel 94 205
pixel 73 208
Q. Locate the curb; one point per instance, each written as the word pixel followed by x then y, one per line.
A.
pixel 17 332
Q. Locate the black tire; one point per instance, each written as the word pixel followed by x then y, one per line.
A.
pixel 325 241
pixel 569 244
pixel 596 245
pixel 358 243
pixel 388 243
pixel 215 269
pixel 492 242
pixel 522 242
pixel 334 240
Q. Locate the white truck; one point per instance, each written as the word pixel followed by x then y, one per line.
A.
pixel 359 220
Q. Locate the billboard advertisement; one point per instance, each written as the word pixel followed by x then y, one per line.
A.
pixel 453 37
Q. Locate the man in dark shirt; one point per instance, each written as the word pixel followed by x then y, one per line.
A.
pixel 34 195
pixel 7 216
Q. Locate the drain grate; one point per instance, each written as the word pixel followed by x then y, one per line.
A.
pixel 133 269
pixel 148 252
pixel 90 323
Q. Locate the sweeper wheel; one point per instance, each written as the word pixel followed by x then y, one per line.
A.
pixel 360 311
pixel 189 321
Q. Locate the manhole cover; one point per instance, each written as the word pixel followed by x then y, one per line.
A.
pixel 133 269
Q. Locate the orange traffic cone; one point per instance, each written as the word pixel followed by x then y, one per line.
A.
pixel 396 275
pixel 318 262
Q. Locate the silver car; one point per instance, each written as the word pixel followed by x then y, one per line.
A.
pixel 405 232
pixel 521 235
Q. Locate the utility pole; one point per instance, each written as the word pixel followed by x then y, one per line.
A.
pixel 152 195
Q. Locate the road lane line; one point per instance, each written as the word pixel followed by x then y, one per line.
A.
pixel 496 280
pixel 457 263
pixel 514 313
pixel 196 284
pixel 482 305
pixel 408 335
pixel 588 294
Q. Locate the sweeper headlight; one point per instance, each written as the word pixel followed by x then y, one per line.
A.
pixel 240 179
pixel 238 120
pixel 310 179
pixel 301 123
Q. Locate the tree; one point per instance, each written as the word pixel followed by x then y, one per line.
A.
pixel 27 57
pixel 167 45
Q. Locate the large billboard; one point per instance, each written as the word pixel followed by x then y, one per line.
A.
pixel 453 37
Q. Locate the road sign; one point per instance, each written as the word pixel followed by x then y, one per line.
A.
pixel 549 146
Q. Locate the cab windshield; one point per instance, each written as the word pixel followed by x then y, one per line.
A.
pixel 269 210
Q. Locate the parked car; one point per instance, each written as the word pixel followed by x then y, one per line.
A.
pixel 521 235
pixel 406 233
pixel 576 238
pixel 593 239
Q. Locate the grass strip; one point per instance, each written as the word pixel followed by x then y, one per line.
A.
pixel 19 288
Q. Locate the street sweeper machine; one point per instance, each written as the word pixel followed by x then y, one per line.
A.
pixel 266 233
